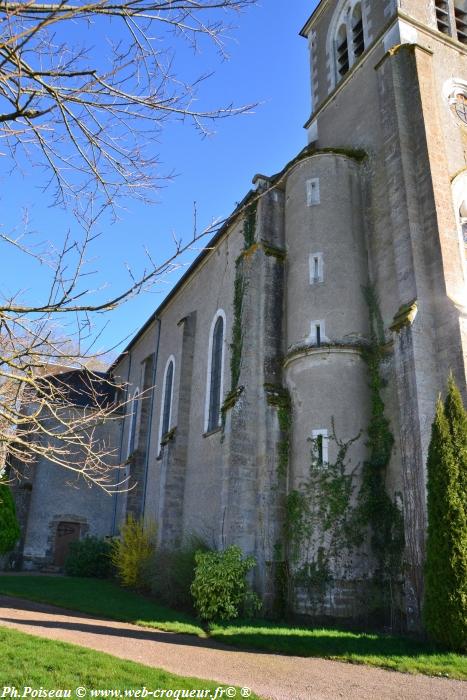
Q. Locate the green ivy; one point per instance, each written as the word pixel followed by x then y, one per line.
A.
pixel 320 523
pixel 9 527
pixel 325 522
pixel 236 345
pixel 376 509
pixel 249 226
pixel 280 398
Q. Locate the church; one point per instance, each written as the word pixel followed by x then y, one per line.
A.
pixel 331 305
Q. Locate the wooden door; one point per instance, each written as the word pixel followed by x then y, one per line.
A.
pixel 66 534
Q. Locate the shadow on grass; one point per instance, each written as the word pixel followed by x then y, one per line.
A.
pixel 106 599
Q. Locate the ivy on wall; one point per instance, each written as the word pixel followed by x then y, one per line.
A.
pixel 236 346
pixel 329 517
pixel 279 397
pixel 376 509
pixel 320 522
pixel 249 225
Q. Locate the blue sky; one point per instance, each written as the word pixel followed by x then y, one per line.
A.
pixel 268 64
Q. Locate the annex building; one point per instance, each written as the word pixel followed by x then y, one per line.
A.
pixel 336 285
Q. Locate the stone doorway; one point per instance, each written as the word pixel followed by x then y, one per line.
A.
pixel 67 532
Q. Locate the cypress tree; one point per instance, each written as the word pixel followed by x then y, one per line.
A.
pixel 457 419
pixel 9 528
pixel 445 605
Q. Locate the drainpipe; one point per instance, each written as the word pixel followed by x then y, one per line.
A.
pixel 114 521
pixel 151 413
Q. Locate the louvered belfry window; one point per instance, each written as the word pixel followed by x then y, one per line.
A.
pixel 460 14
pixel 357 32
pixel 442 16
pixel 167 399
pixel 342 52
pixel 216 375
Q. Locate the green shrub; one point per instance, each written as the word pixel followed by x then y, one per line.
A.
pixel 174 572
pixel 133 553
pixel 90 557
pixel 445 603
pixel 220 590
pixel 9 527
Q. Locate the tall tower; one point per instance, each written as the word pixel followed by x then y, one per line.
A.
pixel 390 78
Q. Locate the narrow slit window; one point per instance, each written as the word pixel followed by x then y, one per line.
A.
pixel 442 16
pixel 342 51
pixel 358 39
pixel 318 334
pixel 320 446
pixel 319 449
pixel 460 14
pixel 216 375
pixel 316 268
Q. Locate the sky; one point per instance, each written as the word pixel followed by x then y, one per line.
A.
pixel 268 65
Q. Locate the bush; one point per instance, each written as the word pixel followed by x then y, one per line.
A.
pixel 445 604
pixel 9 527
pixel 90 557
pixel 133 552
pixel 220 590
pixel 174 572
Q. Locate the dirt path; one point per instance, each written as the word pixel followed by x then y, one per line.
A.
pixel 270 676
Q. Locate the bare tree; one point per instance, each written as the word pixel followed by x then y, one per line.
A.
pixel 91 115
pixel 85 90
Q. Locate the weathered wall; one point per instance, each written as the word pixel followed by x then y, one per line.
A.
pixel 59 495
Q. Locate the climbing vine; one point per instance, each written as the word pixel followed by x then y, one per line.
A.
pixel 280 398
pixel 249 226
pixel 236 345
pixel 328 519
pixel 320 525
pixel 376 509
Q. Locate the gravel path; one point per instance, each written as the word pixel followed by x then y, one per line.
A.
pixel 269 675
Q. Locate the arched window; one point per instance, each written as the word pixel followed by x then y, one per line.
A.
pixel 167 394
pixel 133 423
pixel 215 373
pixel 342 51
pixel 358 40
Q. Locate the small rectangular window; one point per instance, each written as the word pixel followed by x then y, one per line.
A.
pixel 312 192
pixel 318 334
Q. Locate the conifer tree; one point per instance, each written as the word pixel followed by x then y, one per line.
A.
pixel 9 528
pixel 457 419
pixel 445 605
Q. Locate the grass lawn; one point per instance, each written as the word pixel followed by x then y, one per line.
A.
pixel 35 662
pixel 108 600
pixel 99 597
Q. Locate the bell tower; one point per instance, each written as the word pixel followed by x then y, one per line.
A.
pixel 390 79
